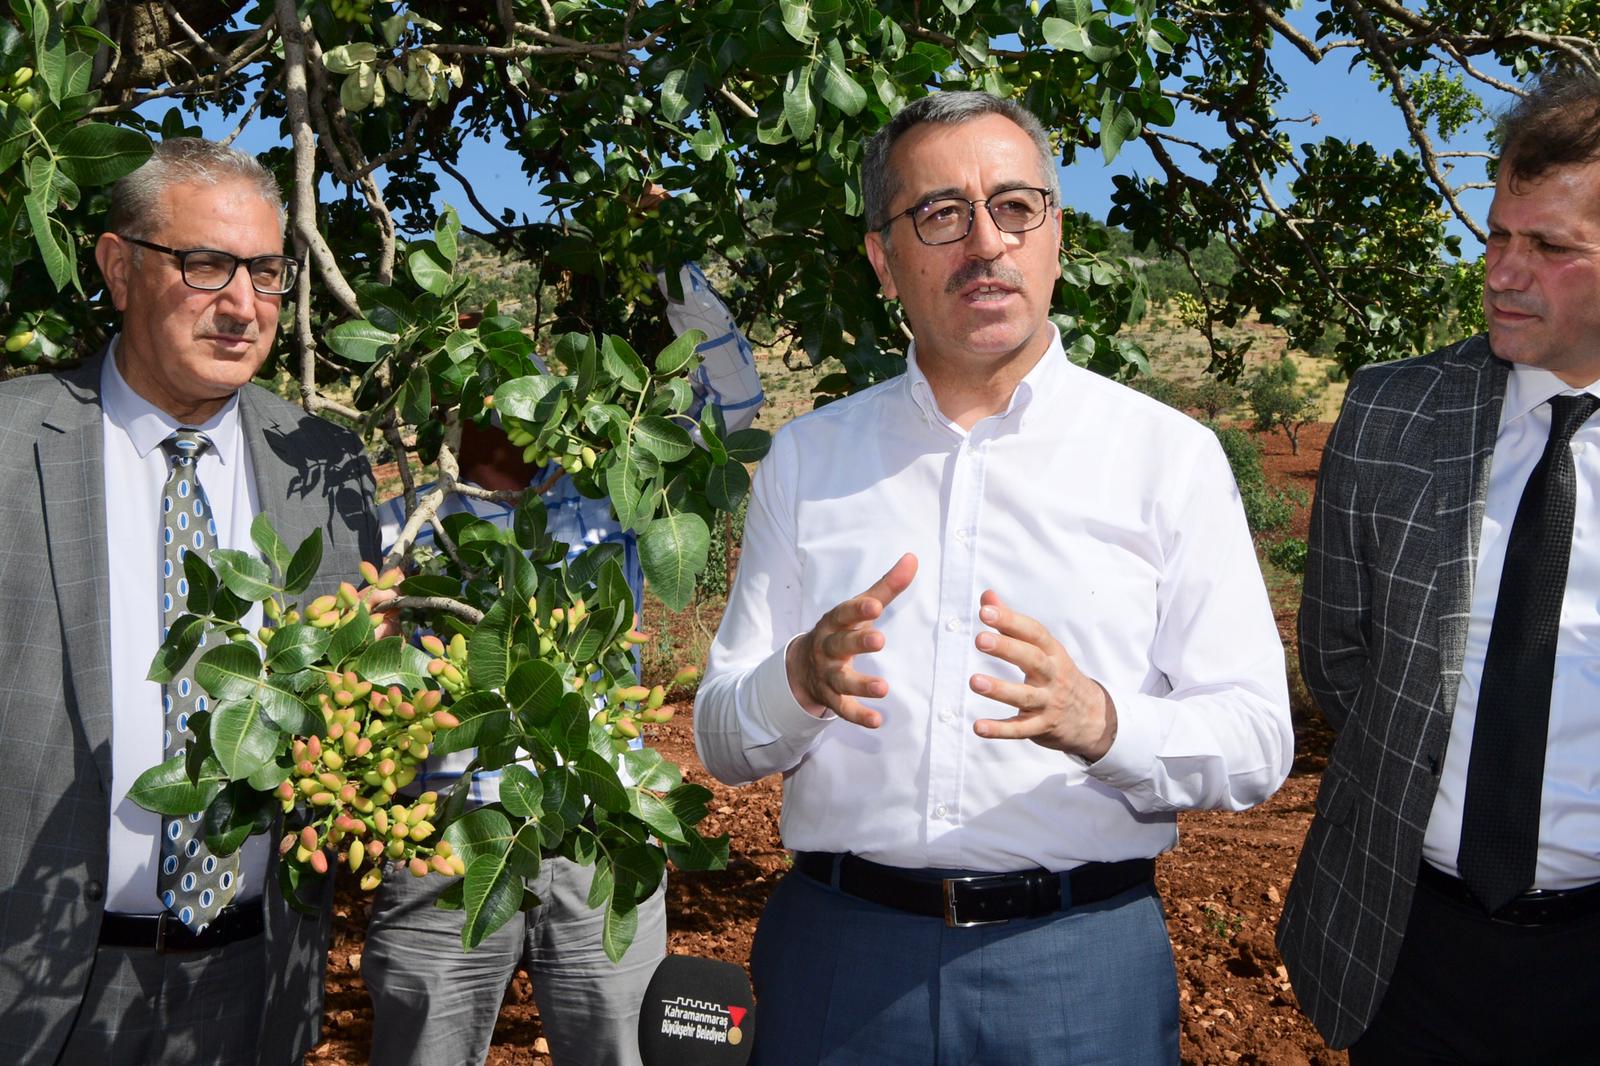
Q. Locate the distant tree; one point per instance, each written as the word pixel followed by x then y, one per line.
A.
pixel 1278 402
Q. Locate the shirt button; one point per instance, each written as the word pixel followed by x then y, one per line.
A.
pixel 953 624
pixel 940 811
pixel 947 716
pixel 94 891
pixel 961 535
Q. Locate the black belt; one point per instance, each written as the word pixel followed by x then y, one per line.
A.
pixel 164 933
pixel 1538 907
pixel 978 899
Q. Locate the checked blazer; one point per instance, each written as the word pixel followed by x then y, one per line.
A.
pixel 1383 625
pixel 55 692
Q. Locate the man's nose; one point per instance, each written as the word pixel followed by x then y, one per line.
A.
pixel 1505 269
pixel 985 240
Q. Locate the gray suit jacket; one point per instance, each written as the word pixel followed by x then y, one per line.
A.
pixel 1383 625
pixel 55 692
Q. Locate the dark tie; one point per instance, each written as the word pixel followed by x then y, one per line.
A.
pixel 1500 818
pixel 192 883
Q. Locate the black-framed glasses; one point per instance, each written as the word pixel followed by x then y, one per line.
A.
pixel 211 269
pixel 947 219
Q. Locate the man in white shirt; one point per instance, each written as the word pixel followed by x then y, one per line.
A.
pixel 123 938
pixel 995 620
pixel 432 1004
pixel 1447 903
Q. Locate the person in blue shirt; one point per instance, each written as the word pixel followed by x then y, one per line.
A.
pixel 433 1004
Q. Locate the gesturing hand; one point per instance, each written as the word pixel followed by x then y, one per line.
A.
pixel 820 674
pixel 1058 706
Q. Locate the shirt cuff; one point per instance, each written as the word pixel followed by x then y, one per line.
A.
pixel 1141 728
pixel 776 714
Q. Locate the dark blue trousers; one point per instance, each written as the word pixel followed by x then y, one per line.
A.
pixel 842 981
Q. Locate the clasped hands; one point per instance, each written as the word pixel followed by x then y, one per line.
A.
pixel 1057 705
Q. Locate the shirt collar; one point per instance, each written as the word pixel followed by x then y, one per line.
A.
pixel 1036 384
pixel 1528 387
pixel 148 425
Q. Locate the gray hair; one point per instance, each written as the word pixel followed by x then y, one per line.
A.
pixel 879 183
pixel 1557 124
pixel 137 205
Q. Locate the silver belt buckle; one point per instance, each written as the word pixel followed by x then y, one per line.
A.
pixel 953 920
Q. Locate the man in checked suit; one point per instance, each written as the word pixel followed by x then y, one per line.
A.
pixel 1447 903
pixel 93 967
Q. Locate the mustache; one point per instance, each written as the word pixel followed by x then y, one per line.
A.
pixel 983 270
pixel 228 326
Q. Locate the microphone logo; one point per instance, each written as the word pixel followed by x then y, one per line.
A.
pixel 696 1019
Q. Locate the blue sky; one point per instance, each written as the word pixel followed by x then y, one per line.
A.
pixel 1347 104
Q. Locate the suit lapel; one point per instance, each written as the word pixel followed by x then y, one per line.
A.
pixel 71 455
pixel 273 470
pixel 1471 394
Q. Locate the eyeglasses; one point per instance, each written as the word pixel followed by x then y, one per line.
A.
pixel 949 218
pixel 211 270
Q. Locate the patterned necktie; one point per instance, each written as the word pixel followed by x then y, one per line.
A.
pixel 1505 777
pixel 193 883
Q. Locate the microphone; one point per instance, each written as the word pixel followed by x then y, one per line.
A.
pixel 696 1012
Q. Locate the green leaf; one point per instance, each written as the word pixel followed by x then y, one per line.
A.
pixel 603 884
pixel 288 711
pixel 242 740
pixel 726 486
pixel 302 568
pixel 392 661
pixel 699 853
pixel 748 445
pixel 359 340
pixel 618 929
pixel 480 832
pixel 677 356
pixel 296 646
pixel 166 789
pixel 182 639
pixel 653 812
pixel 799 110
pixel 673 551
pixel 493 895
pixel 796 16
pixel 600 782
pixel 650 769
pixel 238 811
pixel 632 494
pixel 268 542
pixel 59 262
pixel 665 440
pixel 98 154
pixel 446 234
pixel 1117 124
pixel 519 397
pixel 202 583
pixel 243 574
pixel 623 364
pixel 638 869
pixel 489 647
pixel 837 86
pixel 350 637
pixel 534 692
pixel 485 721
pixel 427 272
pixel 229 672
pixel 675 102
pixel 520 792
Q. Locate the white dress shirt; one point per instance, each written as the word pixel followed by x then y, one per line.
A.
pixel 1569 810
pixel 1108 517
pixel 136 470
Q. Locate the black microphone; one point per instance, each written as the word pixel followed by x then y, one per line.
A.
pixel 696 1012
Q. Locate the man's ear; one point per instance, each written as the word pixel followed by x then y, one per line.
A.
pixel 878 256
pixel 115 258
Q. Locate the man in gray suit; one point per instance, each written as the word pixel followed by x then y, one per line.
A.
pixel 1447 903
pixel 93 967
